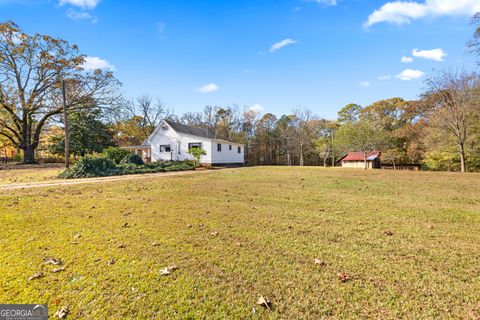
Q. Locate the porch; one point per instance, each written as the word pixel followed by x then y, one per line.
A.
pixel 143 151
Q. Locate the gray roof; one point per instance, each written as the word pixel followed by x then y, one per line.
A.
pixel 199 132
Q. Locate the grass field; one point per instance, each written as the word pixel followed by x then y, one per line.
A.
pixel 406 245
pixel 29 173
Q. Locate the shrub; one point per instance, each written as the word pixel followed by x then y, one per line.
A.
pixel 115 154
pixel 197 153
pixel 132 159
pixel 91 166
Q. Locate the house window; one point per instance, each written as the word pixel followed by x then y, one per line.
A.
pixel 165 148
pixel 230 147
pixel 193 145
pixel 164 128
pixel 219 147
pixel 239 149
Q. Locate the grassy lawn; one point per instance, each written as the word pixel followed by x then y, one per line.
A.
pixel 408 242
pixel 29 173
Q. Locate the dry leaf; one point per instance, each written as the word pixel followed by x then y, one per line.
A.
pixel 62 313
pixel 110 262
pixel 128 212
pixel 57 270
pixel 264 302
pixel 125 225
pixel 53 261
pixel 319 262
pixel 189 225
pixel 343 276
pixel 214 233
pixel 388 232
pixel 155 244
pixel 168 270
pixel 122 246
pixel 36 276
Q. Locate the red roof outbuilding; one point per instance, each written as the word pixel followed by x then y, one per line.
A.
pixel 359 156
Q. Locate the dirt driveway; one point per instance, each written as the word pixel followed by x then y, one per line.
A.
pixel 54 183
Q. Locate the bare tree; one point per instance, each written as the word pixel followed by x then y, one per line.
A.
pixel 453 99
pixel 303 122
pixel 150 111
pixel 474 43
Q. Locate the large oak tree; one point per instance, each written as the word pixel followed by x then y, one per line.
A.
pixel 32 68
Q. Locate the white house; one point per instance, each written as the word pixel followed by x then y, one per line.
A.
pixel 171 141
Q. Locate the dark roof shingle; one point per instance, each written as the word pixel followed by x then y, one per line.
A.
pixel 199 132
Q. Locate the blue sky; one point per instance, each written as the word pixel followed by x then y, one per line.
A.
pixel 273 55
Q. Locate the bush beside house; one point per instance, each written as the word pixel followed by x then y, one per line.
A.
pixel 101 166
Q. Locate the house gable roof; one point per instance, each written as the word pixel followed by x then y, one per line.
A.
pixel 182 128
pixel 358 156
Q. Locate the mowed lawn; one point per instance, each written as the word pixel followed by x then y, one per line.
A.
pixel 13 174
pixel 407 245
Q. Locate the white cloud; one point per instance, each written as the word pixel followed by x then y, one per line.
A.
pixel 211 87
pixel 403 12
pixel 325 2
pixel 384 77
pixel 365 84
pixel 434 54
pixel 256 107
pixel 81 15
pixel 281 44
pixel 94 63
pixel 85 4
pixel 410 74
pixel 407 59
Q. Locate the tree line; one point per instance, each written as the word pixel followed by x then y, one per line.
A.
pixel 440 130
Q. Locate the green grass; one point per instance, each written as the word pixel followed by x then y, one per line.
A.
pixel 272 223
pixel 29 173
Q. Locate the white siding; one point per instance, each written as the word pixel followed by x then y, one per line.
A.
pixel 226 155
pixel 178 140
pixel 173 139
pixel 357 164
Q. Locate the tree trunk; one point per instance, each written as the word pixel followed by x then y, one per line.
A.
pixel 462 158
pixel 365 161
pixel 28 154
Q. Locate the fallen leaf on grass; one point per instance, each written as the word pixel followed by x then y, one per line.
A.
pixel 122 246
pixel 189 225
pixel 214 233
pixel 388 232
pixel 36 276
pixel 125 225
pixel 110 262
pixel 57 270
pixel 53 261
pixel 264 302
pixel 319 262
pixel 343 276
pixel 168 270
pixel 128 212
pixel 155 244
pixel 62 313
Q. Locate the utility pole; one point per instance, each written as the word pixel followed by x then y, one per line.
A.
pixel 65 124
pixel 333 151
